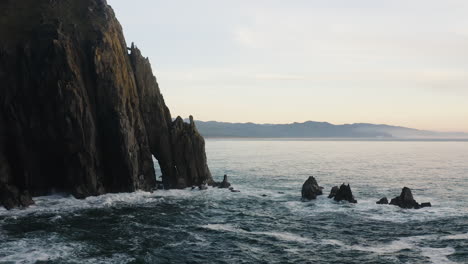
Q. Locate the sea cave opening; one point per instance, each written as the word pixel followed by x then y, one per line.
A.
pixel 157 170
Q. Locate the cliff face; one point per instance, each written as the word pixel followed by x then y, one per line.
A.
pixel 178 147
pixel 78 113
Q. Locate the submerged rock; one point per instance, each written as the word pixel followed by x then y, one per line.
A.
pixel 311 189
pixel 405 200
pixel 382 201
pixel 333 191
pixel 233 190
pixel 344 193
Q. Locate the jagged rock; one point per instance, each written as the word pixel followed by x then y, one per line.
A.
pixel 78 113
pixel 224 183
pixel 333 191
pixel 188 152
pixel 25 199
pixel 344 193
pixel 406 200
pixel 178 147
pixel 382 201
pixel 310 189
pixel 426 205
pixel 11 197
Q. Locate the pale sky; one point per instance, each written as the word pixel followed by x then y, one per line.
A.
pixel 398 62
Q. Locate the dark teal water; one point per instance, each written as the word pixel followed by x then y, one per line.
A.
pixel 266 222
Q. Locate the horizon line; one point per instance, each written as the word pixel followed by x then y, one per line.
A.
pixel 335 124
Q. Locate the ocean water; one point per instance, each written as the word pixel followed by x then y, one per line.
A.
pixel 266 222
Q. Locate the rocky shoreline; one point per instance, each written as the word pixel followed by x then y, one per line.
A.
pixel 80 111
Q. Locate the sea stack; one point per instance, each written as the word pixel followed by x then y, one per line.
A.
pixel 343 193
pixel 311 189
pixel 406 200
pixel 80 112
pixel 224 183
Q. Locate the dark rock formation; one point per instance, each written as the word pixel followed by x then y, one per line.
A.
pixel 333 191
pixel 11 197
pixel 224 183
pixel 310 189
pixel 78 113
pixel 382 201
pixel 188 154
pixel 406 200
pixel 426 205
pixel 344 193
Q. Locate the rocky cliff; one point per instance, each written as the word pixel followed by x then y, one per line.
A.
pixel 79 111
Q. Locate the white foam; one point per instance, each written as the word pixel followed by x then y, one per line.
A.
pixel 38 249
pixel 455 237
pixel 367 208
pixel 223 227
pixel 391 247
pixel 386 248
pixel 285 236
pixel 438 255
pixel 61 203
pixel 56 218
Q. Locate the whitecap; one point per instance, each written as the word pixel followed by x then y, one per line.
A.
pixel 30 250
pixel 455 237
pixel 61 203
pixel 438 255
pixel 384 248
pixel 285 236
pixel 223 227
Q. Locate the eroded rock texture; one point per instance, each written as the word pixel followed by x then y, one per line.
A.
pixel 343 193
pixel 78 113
pixel 406 200
pixel 384 200
pixel 311 189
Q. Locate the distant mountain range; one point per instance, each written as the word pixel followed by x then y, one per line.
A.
pixel 311 129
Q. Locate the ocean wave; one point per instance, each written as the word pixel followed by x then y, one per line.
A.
pixel 438 255
pixel 32 250
pixel 285 236
pixel 65 203
pixel 435 255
